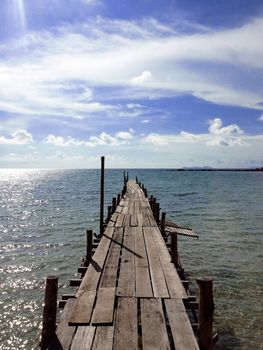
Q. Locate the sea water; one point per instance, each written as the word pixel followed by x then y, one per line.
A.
pixel 44 214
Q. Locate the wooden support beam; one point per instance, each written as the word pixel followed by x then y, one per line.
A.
pixel 109 213
pixel 157 213
pixel 118 199
pixel 185 284
pixel 114 204
pixel 67 296
pixel 206 311
pixel 163 224
pixel 174 250
pixel 82 270
pixel 89 234
pixel 75 282
pixel 49 312
pixel 62 303
pixel 102 195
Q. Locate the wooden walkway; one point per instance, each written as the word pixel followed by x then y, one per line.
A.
pixel 131 296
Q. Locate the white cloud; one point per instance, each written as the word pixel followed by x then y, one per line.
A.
pixel 261 118
pixel 216 128
pixel 218 135
pixel 142 78
pixel 145 121
pixel 125 135
pixel 63 142
pixel 19 137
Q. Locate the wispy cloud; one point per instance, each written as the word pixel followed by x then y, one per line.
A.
pixel 57 73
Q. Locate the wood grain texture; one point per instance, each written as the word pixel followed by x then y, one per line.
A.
pixel 126 325
pixel 182 332
pixel 154 334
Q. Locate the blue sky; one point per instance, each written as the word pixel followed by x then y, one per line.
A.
pixel 147 83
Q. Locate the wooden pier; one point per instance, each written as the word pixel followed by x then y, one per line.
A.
pixel 130 295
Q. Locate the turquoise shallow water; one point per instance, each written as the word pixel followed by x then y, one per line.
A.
pixel 44 214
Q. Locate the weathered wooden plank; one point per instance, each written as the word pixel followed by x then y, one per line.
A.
pixel 109 274
pixel 86 293
pixel 114 217
pixel 127 220
pixel 154 334
pixel 126 282
pixel 156 271
pixel 126 325
pixel 64 332
pixel 182 332
pixel 143 281
pixel 134 221
pixel 174 284
pixel 119 220
pixel 103 311
pixel 103 339
pixel 82 311
pixel 151 219
pixel 83 338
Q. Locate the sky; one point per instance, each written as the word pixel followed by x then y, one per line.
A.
pixel 148 84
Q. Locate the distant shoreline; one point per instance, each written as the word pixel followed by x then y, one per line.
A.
pixel 220 169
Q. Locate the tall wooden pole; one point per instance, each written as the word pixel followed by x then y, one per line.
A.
pixel 102 194
pixel 206 311
pixel 49 312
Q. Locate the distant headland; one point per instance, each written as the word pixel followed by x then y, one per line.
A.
pixel 206 168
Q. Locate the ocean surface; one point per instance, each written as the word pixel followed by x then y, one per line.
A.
pixel 44 214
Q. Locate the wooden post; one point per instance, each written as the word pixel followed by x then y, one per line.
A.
pixel 157 213
pixel 118 199
pixel 109 213
pixel 49 312
pixel 145 192
pixel 153 205
pixel 114 204
pixel 206 311
pixel 174 251
pixel 102 195
pixel 163 224
pixel 151 202
pixel 89 247
pixel 136 180
pixel 124 178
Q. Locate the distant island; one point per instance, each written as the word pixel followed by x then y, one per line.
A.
pixel 206 168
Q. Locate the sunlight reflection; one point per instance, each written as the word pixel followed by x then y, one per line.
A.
pixel 20 10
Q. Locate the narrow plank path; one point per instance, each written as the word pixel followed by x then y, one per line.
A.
pixel 131 296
